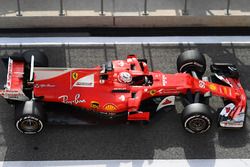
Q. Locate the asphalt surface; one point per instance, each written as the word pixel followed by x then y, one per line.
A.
pixel 163 138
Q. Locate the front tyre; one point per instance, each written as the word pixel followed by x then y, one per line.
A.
pixel 191 60
pixel 197 118
pixel 30 117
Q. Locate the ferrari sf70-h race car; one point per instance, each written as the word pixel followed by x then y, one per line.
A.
pixel 123 87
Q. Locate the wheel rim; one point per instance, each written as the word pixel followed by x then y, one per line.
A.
pixel 29 125
pixel 197 124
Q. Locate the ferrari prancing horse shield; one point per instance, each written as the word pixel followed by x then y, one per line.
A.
pixel 75 75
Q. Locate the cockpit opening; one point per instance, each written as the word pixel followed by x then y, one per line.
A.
pixel 142 80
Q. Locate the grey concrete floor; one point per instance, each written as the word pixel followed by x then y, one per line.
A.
pixel 163 138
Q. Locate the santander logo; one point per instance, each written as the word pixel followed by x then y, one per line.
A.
pixel 86 81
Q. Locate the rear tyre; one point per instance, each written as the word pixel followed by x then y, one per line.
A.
pixel 40 58
pixel 30 117
pixel 191 60
pixel 197 118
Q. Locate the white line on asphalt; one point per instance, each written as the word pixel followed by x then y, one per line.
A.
pixel 124 40
pixel 131 163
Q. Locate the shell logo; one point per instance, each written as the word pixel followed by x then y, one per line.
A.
pixel 212 87
pixel 110 107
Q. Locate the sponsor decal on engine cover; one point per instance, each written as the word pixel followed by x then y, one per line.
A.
pixel 44 85
pixel 167 101
pixel 76 100
pixel 110 107
pixel 94 105
pixel 86 81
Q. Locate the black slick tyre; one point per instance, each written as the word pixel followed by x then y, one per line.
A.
pixel 40 58
pixel 30 117
pixel 196 118
pixel 191 60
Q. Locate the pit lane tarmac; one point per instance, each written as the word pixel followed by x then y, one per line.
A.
pixel 163 138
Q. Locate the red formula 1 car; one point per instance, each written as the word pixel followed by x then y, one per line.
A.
pixel 123 87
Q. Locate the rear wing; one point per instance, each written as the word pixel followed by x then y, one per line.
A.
pixel 13 88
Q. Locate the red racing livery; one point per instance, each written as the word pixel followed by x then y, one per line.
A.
pixel 124 86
